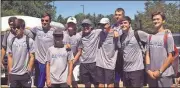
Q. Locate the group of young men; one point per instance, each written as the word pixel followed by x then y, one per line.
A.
pixel 62 57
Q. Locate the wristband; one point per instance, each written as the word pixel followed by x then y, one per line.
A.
pixel 147 67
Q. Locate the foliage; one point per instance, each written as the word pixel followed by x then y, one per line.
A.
pixel 171 11
pixel 28 8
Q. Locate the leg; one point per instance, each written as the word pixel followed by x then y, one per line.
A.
pixel 40 74
pixel 118 70
pixel 165 81
pixel 126 80
pixel 137 78
pixel 109 77
pixel 93 74
pixel 26 81
pixel 152 83
pixel 101 85
pixel 74 84
pixel 178 80
pixel 110 85
pixel 37 72
pixel 88 85
pixel 13 81
pixel 100 77
pixel 84 75
pixel 117 79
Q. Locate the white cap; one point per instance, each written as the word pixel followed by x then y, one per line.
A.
pixel 104 21
pixel 72 19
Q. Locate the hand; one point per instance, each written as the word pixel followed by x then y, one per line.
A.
pixel 48 82
pixel 151 74
pixel 69 80
pixel 73 61
pixel 29 69
pixel 116 34
pixel 68 46
pixel 156 73
pixel 9 71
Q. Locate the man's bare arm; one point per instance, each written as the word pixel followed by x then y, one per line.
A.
pixel 9 62
pixel 31 62
pixel 76 58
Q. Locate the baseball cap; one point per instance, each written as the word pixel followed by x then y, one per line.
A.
pixel 58 31
pixel 104 21
pixel 86 21
pixel 72 19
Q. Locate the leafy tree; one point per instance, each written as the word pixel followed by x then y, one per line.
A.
pixel 28 8
pixel 61 19
pixel 171 11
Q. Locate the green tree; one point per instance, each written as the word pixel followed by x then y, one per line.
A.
pixel 28 8
pixel 79 18
pixel 61 19
pixel 171 11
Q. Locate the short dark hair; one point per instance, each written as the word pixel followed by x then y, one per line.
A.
pixel 12 19
pixel 158 13
pixel 46 14
pixel 126 18
pixel 120 9
pixel 20 23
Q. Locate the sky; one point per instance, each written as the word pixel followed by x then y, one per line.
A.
pixel 71 8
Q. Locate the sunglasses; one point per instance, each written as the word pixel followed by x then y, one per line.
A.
pixel 85 25
pixel 44 20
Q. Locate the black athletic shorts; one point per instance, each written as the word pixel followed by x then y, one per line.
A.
pixel 61 85
pixel 20 80
pixel 133 78
pixel 105 76
pixel 88 72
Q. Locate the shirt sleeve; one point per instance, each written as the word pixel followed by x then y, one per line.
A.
pixel 28 33
pixel 48 56
pixel 80 45
pixel 143 36
pixel 31 45
pixel 170 43
pixel 70 55
pixel 34 30
pixel 97 31
pixel 148 43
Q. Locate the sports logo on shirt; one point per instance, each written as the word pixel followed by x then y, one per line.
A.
pixel 16 44
pixel 59 55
